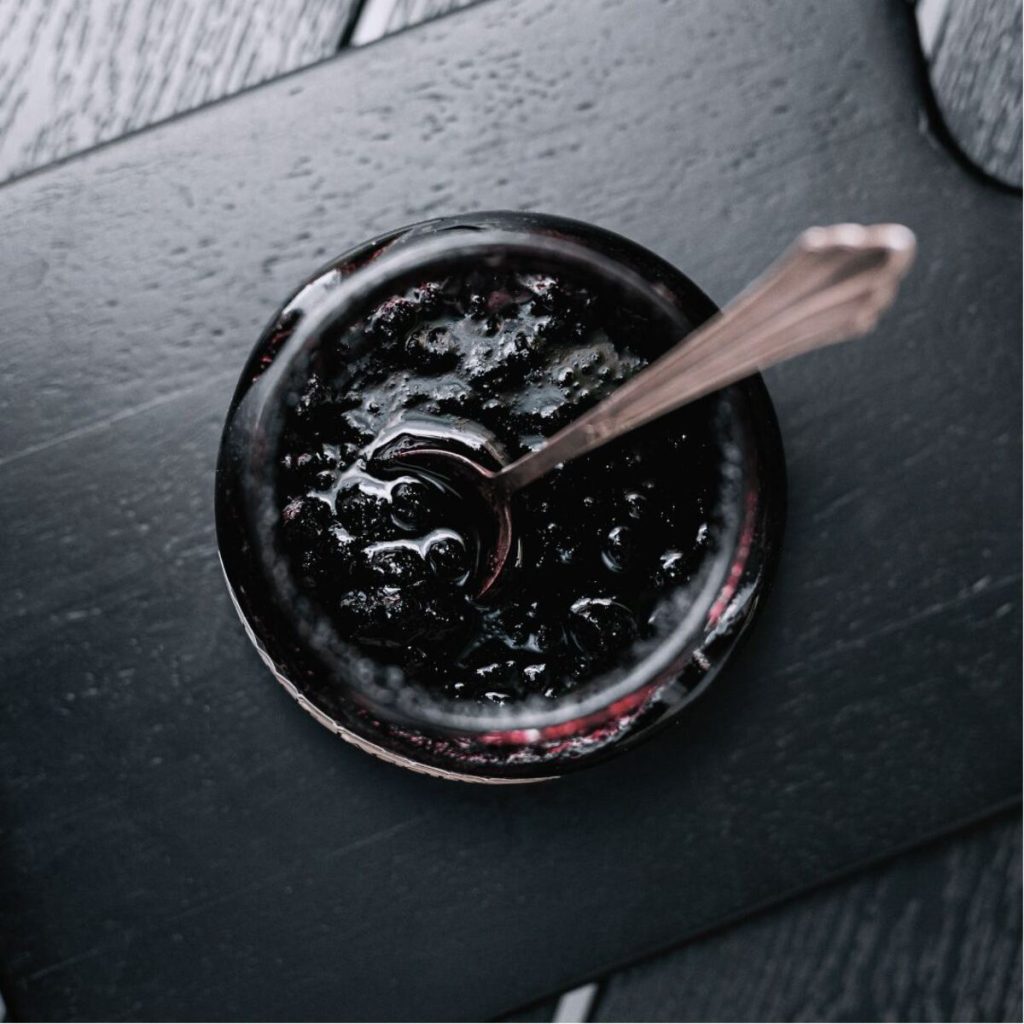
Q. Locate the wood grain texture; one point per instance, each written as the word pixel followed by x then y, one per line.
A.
pixel 933 936
pixel 75 73
pixel 179 840
pixel 378 18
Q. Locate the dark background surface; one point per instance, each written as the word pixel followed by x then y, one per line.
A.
pixel 931 935
pixel 925 938
pixel 180 841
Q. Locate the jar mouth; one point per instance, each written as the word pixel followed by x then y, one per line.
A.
pixel 383 690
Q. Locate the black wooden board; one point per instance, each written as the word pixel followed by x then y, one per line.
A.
pixel 931 936
pixel 180 841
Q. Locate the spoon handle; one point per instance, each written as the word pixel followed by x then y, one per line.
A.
pixel 832 284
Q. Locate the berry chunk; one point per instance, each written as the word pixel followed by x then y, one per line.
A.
pixel 618 548
pixel 305 518
pixel 536 676
pixel 313 470
pixel 363 512
pixel 601 625
pixel 672 568
pixel 391 318
pixel 637 506
pixel 379 615
pixel 434 348
pixel 395 566
pixel 413 504
pixel 448 558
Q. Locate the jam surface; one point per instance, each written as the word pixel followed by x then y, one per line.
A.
pixel 604 542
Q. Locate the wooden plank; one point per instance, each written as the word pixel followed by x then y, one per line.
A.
pixel 75 73
pixel 974 55
pixel 180 841
pixel 379 18
pixel 933 936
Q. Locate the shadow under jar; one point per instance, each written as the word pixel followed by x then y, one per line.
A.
pixel 637 567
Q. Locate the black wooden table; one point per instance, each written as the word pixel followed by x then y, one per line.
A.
pixel 179 841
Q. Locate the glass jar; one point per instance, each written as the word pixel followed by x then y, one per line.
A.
pixel 371 704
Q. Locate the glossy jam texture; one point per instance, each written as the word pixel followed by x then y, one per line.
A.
pixel 604 540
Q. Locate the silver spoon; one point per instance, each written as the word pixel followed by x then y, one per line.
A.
pixel 832 284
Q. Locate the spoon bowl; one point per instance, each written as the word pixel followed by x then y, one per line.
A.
pixel 479 485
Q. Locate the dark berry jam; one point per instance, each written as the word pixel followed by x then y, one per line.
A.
pixel 635 569
pixel 390 556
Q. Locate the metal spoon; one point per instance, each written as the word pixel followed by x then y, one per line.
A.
pixel 832 284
